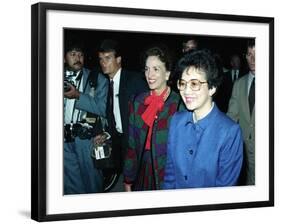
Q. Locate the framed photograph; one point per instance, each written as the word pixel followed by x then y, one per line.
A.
pixel 54 25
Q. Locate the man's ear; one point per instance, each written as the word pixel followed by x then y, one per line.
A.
pixel 119 60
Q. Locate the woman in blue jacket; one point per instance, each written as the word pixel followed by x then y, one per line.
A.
pixel 205 147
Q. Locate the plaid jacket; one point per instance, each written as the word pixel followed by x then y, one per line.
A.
pixel 139 169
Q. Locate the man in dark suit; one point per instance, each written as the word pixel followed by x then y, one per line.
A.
pixel 235 72
pixel 224 92
pixel 124 85
pixel 189 44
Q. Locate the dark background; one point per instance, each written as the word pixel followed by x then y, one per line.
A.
pixel 134 43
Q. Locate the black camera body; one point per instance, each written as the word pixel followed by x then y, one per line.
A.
pixel 81 130
pixel 66 84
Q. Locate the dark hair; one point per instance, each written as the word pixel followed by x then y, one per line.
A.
pixel 109 45
pixel 72 45
pixel 203 60
pixel 250 43
pixel 190 39
pixel 162 52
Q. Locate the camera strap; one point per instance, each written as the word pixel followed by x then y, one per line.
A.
pixel 79 80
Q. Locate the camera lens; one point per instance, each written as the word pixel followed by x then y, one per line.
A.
pixel 66 86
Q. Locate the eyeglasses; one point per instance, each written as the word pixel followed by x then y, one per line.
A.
pixel 193 84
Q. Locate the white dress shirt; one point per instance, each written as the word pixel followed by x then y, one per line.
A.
pixel 235 74
pixel 72 115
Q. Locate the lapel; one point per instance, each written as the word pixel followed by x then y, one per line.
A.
pixel 253 115
pixel 122 85
pixel 85 79
pixel 240 73
pixel 144 127
pixel 122 90
pixel 244 97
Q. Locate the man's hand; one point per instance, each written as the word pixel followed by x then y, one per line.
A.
pixel 73 93
pixel 127 187
pixel 101 138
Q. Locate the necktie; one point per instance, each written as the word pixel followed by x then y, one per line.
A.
pixel 234 74
pixel 251 97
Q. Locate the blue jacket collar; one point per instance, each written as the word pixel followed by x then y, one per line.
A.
pixel 204 122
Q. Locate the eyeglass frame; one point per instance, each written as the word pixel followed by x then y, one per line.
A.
pixel 200 83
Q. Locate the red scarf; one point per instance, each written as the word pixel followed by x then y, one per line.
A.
pixel 155 104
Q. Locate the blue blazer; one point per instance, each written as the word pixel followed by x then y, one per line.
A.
pixel 207 153
pixel 93 100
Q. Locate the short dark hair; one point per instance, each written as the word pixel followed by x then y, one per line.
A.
pixel 109 45
pixel 162 52
pixel 203 60
pixel 250 43
pixel 190 39
pixel 71 45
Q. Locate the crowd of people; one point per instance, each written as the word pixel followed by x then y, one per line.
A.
pixel 181 123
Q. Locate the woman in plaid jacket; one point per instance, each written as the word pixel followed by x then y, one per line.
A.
pixel 150 114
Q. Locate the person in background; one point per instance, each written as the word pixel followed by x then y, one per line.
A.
pixel 150 115
pixel 224 93
pixel 205 147
pixel 235 71
pixel 242 110
pixel 189 44
pixel 80 99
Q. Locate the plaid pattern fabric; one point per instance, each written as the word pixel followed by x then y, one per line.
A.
pixel 145 168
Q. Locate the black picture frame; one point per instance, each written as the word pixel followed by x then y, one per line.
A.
pixel 40 122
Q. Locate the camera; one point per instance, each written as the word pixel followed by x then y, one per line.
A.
pixel 66 84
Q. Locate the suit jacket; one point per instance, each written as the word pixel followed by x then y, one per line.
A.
pixel 131 84
pixel 224 92
pixel 239 111
pixel 229 73
pixel 139 161
pixel 208 153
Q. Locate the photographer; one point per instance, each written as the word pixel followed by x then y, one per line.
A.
pixel 81 98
